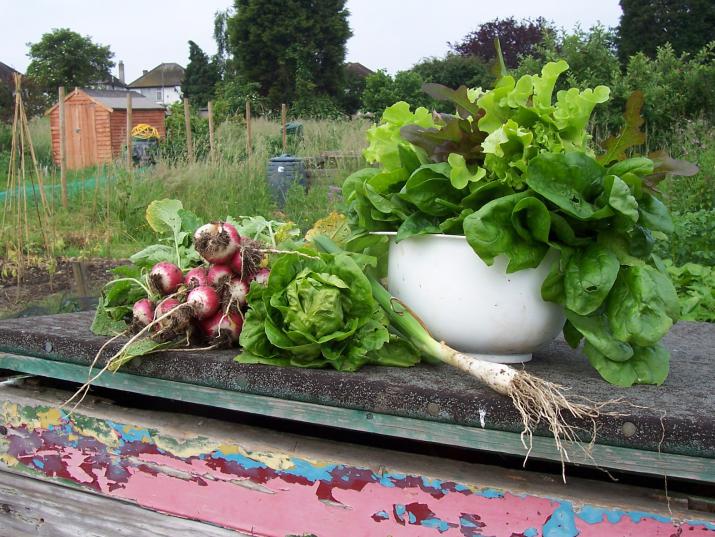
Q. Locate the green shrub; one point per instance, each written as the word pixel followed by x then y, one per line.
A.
pixel 173 147
pixel 695 285
pixel 693 240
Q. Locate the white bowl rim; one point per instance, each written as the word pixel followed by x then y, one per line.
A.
pixel 394 233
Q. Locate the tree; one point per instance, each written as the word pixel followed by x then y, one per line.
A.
pixel 200 77
pixel 65 58
pixel 455 70
pixel 383 90
pixel 273 41
pixel 688 25
pixel 221 59
pixel 517 38
pixel 350 100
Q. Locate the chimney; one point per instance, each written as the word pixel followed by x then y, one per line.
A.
pixel 121 70
pixel 144 71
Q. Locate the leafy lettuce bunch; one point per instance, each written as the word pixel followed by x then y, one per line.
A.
pixel 513 169
pixel 318 310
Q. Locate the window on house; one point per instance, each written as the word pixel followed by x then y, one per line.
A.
pixel 158 96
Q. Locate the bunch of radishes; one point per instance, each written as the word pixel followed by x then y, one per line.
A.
pixel 206 302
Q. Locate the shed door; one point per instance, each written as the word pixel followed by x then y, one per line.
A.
pixel 80 135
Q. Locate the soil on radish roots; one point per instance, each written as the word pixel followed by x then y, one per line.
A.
pixel 42 293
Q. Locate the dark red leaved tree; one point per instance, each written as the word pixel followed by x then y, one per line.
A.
pixel 517 37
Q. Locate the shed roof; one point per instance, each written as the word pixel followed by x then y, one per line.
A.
pixel 163 75
pixel 115 99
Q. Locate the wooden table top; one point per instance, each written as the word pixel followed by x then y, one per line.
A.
pixel 684 405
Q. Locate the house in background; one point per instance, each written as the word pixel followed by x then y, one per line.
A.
pixel 162 84
pixel 6 76
pixel 358 69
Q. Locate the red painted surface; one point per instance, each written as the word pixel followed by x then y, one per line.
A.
pixel 278 494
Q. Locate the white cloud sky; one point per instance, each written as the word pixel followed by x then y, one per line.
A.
pixel 390 34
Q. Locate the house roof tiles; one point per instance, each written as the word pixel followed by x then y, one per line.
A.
pixel 163 75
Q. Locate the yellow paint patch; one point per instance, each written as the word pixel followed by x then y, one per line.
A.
pixel 11 414
pixel 52 416
pixel 9 460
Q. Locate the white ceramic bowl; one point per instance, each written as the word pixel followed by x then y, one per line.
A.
pixel 474 308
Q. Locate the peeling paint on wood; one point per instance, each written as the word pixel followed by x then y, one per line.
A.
pixel 275 492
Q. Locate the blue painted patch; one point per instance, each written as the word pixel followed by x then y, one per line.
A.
pixel 388 479
pixel 562 522
pixel 594 515
pixel 491 494
pixel 466 523
pixel 461 488
pixel 707 525
pixel 531 532
pixel 38 463
pixel 303 468
pixel 400 510
pixel 637 516
pixel 129 434
pixel 245 462
pixel 435 523
pixel 384 515
pixel 411 518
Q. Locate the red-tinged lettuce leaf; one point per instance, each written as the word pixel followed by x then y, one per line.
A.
pixel 665 165
pixel 460 97
pixel 631 134
pixel 455 135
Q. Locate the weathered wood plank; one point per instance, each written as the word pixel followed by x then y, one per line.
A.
pixel 38 508
pixel 617 458
pixel 431 393
pixel 269 483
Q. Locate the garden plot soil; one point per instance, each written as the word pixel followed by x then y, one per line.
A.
pixel 41 292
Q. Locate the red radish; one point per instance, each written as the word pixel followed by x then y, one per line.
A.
pixel 223 328
pixel 143 312
pixel 262 276
pixel 219 274
pixel 237 290
pixel 165 306
pixel 176 324
pixel 236 262
pixel 165 278
pixel 216 242
pixel 196 277
pixel 204 302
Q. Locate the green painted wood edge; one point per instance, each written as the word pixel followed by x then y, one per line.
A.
pixel 608 457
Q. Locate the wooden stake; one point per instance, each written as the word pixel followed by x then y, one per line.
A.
pixel 212 149
pixel 63 147
pixel 129 131
pixel 249 137
pixel 187 124
pixel 284 113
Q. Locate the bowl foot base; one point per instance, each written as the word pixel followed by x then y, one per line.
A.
pixel 501 358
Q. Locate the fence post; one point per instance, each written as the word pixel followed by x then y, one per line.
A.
pixel 187 125
pixel 249 140
pixel 211 130
pixel 63 147
pixel 129 131
pixel 284 113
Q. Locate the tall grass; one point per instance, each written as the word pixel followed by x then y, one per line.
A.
pixel 106 217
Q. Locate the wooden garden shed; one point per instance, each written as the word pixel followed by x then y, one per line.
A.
pixel 96 124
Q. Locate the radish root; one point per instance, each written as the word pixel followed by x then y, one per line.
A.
pixel 537 401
